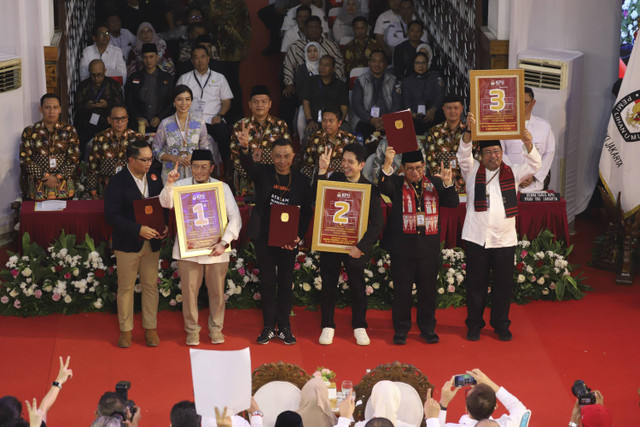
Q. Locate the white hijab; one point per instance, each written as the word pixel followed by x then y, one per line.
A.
pixel 385 399
pixel 424 47
pixel 312 66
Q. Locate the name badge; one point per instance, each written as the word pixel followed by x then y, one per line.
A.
pixel 319 116
pixel 53 162
pixel 199 106
pixel 420 219
pixel 375 111
pixel 118 169
pixel 453 163
pixel 422 109
pixel 95 118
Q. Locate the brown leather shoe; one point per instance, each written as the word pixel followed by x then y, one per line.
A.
pixel 152 338
pixel 125 339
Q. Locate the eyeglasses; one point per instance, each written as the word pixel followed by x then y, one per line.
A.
pixel 147 160
pixel 195 17
pixel 416 169
pixel 103 34
pixel 119 119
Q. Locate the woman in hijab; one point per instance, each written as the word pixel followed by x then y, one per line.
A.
pixel 146 34
pixel 343 25
pixel 312 54
pixel 385 399
pixel 315 408
pixel 422 93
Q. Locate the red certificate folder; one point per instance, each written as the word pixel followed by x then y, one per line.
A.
pixel 149 212
pixel 283 225
pixel 401 135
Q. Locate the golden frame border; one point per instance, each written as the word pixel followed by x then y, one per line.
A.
pixel 218 188
pixel 363 220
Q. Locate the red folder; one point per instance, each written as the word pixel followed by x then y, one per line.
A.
pixel 283 225
pixel 149 212
pixel 401 135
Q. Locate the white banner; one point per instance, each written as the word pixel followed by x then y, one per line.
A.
pixel 619 162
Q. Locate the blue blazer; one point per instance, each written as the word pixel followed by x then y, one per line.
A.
pixel 118 210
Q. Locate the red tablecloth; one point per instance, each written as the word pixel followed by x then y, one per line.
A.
pixel 87 216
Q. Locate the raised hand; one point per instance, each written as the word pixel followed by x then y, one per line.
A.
pixel 389 154
pixel 35 414
pixel 431 407
pixel 243 136
pixel 65 373
pixel 448 392
pixel 174 175
pixel 222 419
pixel 324 161
pixel 445 175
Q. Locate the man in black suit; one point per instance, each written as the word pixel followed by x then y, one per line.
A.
pixel 137 247
pixel 412 237
pixel 353 158
pixel 275 184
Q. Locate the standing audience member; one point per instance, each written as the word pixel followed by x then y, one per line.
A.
pixel 212 267
pixel 147 35
pixel 405 52
pixel 102 49
pixel 272 16
pixel 108 152
pixel 290 18
pixel 94 98
pixel 276 184
pixel 212 97
pixel 412 237
pixel 120 37
pixel 297 32
pixel 422 93
pixel 136 246
pixel 397 32
pixel 315 407
pixel 49 154
pixel 149 91
pixel 489 229
pixel 343 25
pixel 358 51
pixel 385 19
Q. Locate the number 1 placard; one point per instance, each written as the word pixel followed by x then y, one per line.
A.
pixel 497 102
pixel 341 215
pixel 201 217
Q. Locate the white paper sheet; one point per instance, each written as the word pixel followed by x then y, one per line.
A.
pixel 221 378
pixel 51 205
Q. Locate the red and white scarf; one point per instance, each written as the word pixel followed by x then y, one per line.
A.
pixel 410 210
pixel 507 187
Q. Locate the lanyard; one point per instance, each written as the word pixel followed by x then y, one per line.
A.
pixel 93 92
pixel 404 32
pixel 183 136
pixel 419 198
pixel 205 82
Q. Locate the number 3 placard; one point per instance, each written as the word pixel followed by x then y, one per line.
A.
pixel 341 215
pixel 201 217
pixel 497 101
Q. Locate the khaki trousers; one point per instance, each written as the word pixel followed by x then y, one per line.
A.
pixel 191 274
pixel 130 264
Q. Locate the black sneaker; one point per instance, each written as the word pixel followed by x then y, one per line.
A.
pixel 431 337
pixel 266 335
pixel 286 336
pixel 400 339
pixel 504 334
pixel 473 334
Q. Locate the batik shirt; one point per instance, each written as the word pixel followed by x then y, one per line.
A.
pixel 356 54
pixel 318 142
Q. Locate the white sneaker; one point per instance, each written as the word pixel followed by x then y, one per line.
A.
pixel 326 337
pixel 361 336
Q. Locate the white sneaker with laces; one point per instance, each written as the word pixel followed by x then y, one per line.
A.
pixel 326 337
pixel 361 336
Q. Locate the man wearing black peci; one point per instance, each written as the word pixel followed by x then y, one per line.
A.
pixel 275 184
pixel 412 237
pixel 353 158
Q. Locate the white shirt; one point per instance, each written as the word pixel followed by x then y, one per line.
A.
pixel 290 18
pixel 125 42
pixel 209 90
pixel 141 183
pixel 345 422
pixel 398 31
pixel 291 36
pixel 384 20
pixel 491 228
pixel 112 58
pixel 545 143
pixel 236 421
pixel 231 232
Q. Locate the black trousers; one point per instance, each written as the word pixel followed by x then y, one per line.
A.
pixel 276 278
pixel 273 21
pixel 405 272
pixel 479 262
pixel 220 133
pixel 330 263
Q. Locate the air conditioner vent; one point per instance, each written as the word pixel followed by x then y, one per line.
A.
pixel 10 74
pixel 544 73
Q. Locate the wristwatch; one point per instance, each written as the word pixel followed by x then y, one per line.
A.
pixel 56 384
pixel 257 413
pixel 225 244
pixel 572 424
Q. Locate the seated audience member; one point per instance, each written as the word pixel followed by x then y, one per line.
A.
pixel 405 52
pixel 184 56
pixel 146 34
pixel 148 91
pixel 259 130
pixel 544 141
pixel 379 422
pixel 422 93
pixel 315 407
pixel 385 19
pixel 49 169
pixel 296 32
pixel 212 98
pixel 357 52
pixel 385 400
pixel 107 155
pixel 179 134
pixel 312 54
pixel 183 414
pixel 441 144
pixel 180 32
pixel 290 18
pixel 487 423
pixel 135 12
pixel 375 94
pixel 112 404
pixel 343 25
pixel 289 419
pixel 330 136
pixel 105 421
pixel 323 91
pixel 94 97
pixel 120 37
pixel 397 31
pixel 591 415
pixel 480 403
pixel 103 49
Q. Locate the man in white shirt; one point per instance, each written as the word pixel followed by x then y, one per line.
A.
pixel 120 37
pixel 543 140
pixel 480 404
pixel 398 31
pixel 296 32
pixel 382 23
pixel 213 266
pixel 211 97
pixel 489 229
pixel 102 49
pixel 291 21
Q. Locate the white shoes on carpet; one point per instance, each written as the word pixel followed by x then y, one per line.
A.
pixel 326 337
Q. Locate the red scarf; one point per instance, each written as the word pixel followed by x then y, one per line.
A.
pixel 410 210
pixel 507 187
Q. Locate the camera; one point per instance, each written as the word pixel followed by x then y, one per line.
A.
pixel 583 393
pixel 122 388
pixel 463 380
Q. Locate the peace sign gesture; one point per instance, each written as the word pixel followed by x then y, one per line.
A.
pixel 243 136
pixel 445 175
pixel 324 161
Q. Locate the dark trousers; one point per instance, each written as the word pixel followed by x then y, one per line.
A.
pixel 221 135
pixel 288 108
pixel 329 271
pixel 405 272
pixel 276 278
pixel 273 21
pixel 479 261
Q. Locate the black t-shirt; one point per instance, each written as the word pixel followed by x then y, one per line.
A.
pixel 280 195
pixel 322 95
